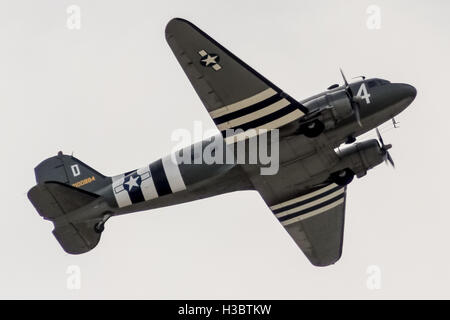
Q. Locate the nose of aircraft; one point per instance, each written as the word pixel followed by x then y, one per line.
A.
pixel 408 91
pixel 390 100
pixel 404 91
pixel 403 94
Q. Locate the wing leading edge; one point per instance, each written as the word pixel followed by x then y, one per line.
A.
pixel 235 95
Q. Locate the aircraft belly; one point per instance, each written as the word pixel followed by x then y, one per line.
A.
pixel 304 162
pixel 292 178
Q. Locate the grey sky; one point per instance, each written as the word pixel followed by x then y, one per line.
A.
pixel 112 93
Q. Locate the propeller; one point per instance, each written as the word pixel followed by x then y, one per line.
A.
pixel 354 101
pixel 385 148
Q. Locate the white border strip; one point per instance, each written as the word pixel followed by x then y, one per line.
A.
pixel 304 197
pixel 313 213
pixel 148 188
pixel 122 197
pixel 263 95
pixel 254 115
pixel 173 174
pixel 310 204
pixel 294 115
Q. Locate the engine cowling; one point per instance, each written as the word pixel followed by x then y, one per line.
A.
pixel 361 157
pixel 341 107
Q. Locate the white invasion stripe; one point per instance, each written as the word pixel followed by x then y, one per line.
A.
pixel 122 197
pixel 148 189
pixel 294 115
pixel 310 204
pixel 304 197
pixel 313 213
pixel 250 133
pixel 263 95
pixel 115 178
pixel 173 174
pixel 254 115
pixel 147 185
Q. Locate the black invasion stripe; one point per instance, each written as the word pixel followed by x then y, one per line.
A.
pixel 126 174
pixel 298 204
pixel 263 120
pixel 247 110
pixel 136 195
pixel 159 178
pixel 323 204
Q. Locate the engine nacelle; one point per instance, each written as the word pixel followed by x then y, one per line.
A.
pixel 329 109
pixel 361 157
pixel 341 107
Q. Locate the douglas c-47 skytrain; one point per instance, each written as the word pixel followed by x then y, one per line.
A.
pixel 306 193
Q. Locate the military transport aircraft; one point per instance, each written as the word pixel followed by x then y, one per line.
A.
pixel 308 192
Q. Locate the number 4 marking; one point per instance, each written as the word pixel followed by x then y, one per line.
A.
pixel 363 93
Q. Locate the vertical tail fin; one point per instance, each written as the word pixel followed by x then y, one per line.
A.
pixel 71 171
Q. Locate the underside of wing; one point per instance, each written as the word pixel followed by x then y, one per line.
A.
pixel 315 221
pixel 235 95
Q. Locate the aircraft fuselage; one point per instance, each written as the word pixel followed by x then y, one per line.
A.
pixel 174 184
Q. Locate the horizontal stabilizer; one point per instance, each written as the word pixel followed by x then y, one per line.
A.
pixel 77 238
pixel 55 201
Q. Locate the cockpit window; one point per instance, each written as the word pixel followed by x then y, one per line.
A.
pixel 377 82
pixel 372 83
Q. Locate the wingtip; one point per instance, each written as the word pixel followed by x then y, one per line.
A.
pixel 172 25
pixel 176 25
pixel 176 20
pixel 327 263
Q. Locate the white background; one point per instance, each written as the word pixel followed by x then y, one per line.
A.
pixel 112 93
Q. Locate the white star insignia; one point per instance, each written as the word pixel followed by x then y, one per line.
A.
pixel 132 183
pixel 209 60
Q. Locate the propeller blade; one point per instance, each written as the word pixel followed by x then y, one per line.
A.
pixel 343 76
pixel 385 148
pixel 357 115
pixel 389 158
pixel 380 138
pixel 353 100
pixel 352 96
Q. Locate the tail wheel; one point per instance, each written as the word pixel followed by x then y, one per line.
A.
pixel 99 227
pixel 343 177
pixel 312 129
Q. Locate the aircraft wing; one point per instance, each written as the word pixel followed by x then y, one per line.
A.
pixel 315 221
pixel 235 95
